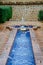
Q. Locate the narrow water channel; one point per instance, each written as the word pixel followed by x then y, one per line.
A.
pixel 21 52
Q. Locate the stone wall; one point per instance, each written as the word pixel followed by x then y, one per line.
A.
pixel 20 0
pixel 28 12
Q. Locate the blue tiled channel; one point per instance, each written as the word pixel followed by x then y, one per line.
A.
pixel 21 52
pixel 17 26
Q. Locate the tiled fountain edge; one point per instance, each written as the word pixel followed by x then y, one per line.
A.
pixel 5 54
pixel 36 49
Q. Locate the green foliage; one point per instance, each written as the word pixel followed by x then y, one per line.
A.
pixel 5 13
pixel 40 15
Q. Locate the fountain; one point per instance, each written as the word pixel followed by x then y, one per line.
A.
pixel 24 13
pixel 22 19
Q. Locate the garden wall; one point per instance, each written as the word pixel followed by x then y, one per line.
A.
pixel 28 12
pixel 20 0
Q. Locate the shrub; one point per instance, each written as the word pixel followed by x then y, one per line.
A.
pixel 5 13
pixel 40 15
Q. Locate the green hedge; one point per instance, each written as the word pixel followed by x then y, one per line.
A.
pixel 40 15
pixel 5 13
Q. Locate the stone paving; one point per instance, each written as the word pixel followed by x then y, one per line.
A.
pixel 11 23
pixel 6 49
pixel 39 35
pixel 3 39
pixel 37 47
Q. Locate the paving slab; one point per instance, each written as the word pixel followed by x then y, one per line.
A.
pixel 5 54
pixel 36 49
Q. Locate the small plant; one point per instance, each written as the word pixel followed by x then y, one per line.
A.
pixel 40 15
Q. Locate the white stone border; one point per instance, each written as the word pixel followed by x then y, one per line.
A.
pixel 36 49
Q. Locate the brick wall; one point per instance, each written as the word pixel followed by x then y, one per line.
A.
pixel 28 12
